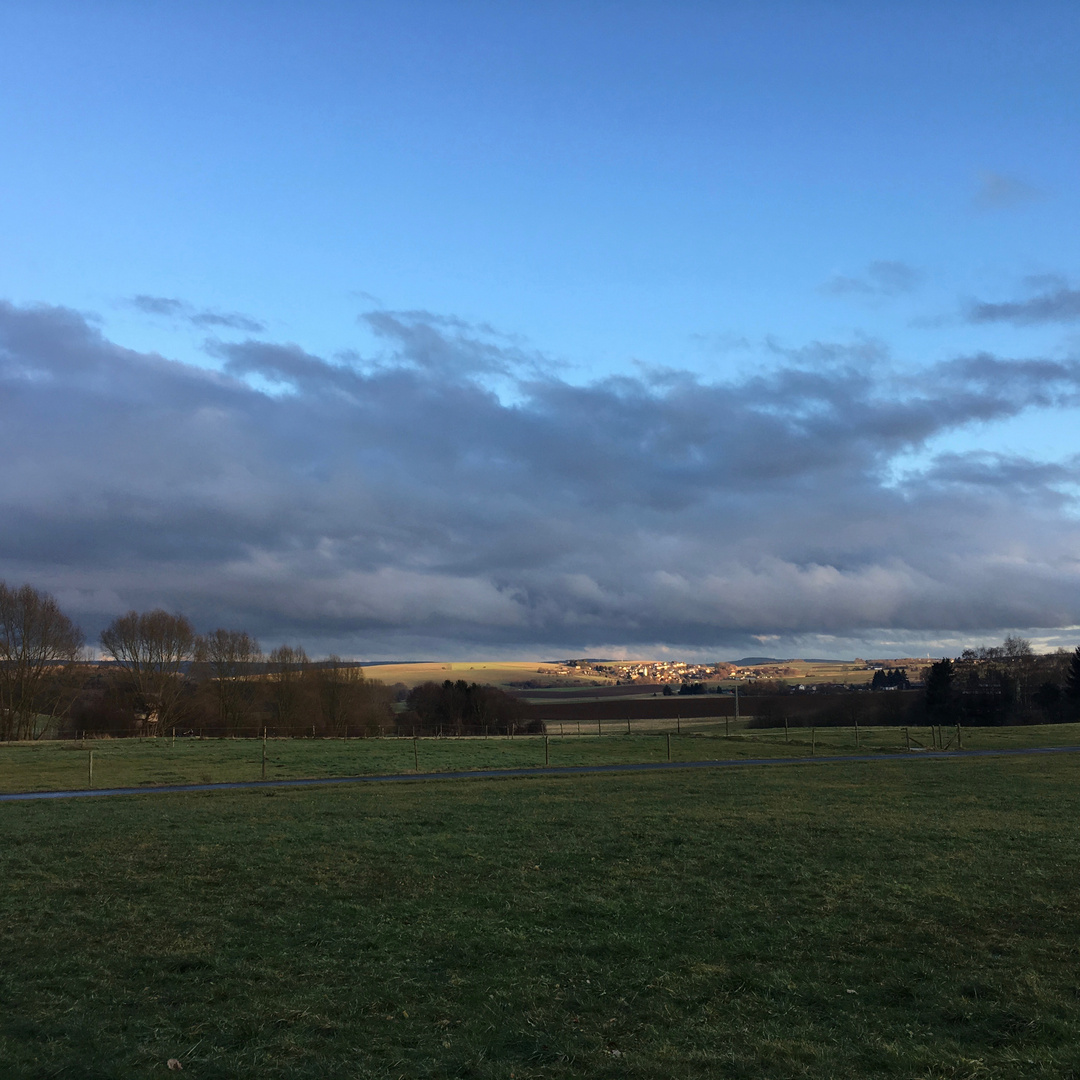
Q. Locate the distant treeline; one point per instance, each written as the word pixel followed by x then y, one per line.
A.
pixel 167 678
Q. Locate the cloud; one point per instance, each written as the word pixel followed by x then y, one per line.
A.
pixel 998 192
pixel 398 505
pixel 180 309
pixel 880 279
pixel 1058 303
pixel 231 321
pixel 159 305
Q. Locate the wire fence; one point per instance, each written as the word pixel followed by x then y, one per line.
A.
pixel 185 758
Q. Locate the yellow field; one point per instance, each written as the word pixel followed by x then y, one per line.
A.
pixel 492 672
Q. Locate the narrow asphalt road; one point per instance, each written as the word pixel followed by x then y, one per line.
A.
pixel 499 774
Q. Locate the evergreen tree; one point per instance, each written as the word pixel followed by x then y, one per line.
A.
pixel 939 690
pixel 1072 678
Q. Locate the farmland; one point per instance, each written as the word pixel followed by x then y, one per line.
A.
pixel 492 672
pixel 889 919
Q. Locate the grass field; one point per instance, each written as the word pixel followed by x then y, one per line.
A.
pixel 57 766
pixel 888 919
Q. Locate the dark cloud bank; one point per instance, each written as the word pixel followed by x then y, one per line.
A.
pixel 403 508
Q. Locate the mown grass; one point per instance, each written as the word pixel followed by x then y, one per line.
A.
pixel 887 919
pixel 57 766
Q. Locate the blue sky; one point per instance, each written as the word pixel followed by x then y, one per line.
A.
pixel 567 222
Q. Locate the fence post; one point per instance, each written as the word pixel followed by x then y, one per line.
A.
pixel 669 746
pixel 415 754
pixel 727 726
pixel 959 739
pixel 907 738
pixel 172 742
pixel 628 725
pixel 598 731
pixel 813 741
pixel 787 737
pixel 856 731
pixel 90 769
pixel 264 755
pixel 546 758
pixel 678 725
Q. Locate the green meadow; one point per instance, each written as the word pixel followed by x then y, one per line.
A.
pixel 885 919
pixel 57 766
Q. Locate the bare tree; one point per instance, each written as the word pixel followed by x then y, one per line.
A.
pixel 153 647
pixel 288 688
pixel 346 701
pixel 234 658
pixel 36 640
pixel 336 684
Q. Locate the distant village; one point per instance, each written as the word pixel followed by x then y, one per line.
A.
pixel 677 672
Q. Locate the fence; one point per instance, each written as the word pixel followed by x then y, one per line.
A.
pixel 187 759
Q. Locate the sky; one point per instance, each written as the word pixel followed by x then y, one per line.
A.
pixel 507 330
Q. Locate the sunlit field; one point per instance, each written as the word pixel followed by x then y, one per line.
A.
pixel 491 672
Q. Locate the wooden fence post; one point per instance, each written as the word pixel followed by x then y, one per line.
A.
pixel 959 739
pixel 90 769
pixel 669 746
pixel 264 755
pixel 813 741
pixel 628 725
pixel 856 732
pixel 415 754
pixel 547 760
pixel 787 737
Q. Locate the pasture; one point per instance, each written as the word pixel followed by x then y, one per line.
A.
pixel 63 765
pixel 886 919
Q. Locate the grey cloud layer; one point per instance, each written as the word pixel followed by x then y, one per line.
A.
pixel 403 505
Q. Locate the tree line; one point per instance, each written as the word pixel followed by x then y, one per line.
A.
pixel 167 678
pixel 1005 684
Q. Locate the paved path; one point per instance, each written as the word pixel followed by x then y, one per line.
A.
pixel 562 770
